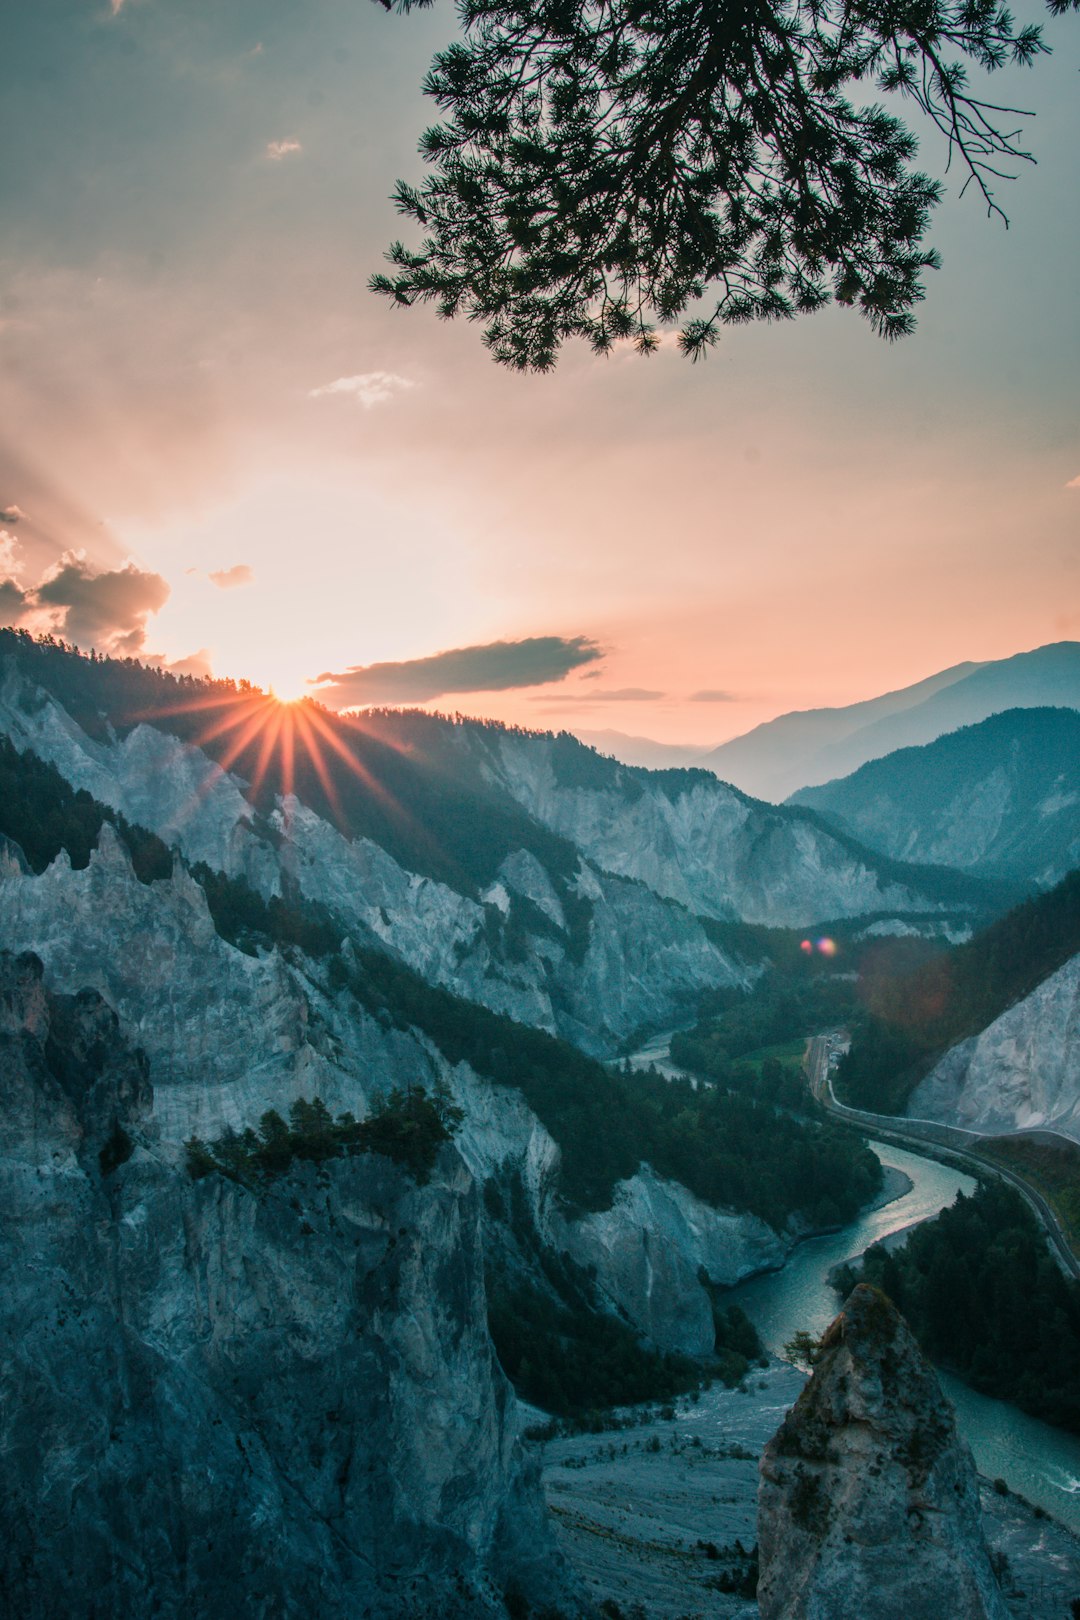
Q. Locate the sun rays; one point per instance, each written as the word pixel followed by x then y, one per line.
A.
pixel 278 749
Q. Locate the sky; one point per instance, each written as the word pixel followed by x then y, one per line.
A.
pixel 219 450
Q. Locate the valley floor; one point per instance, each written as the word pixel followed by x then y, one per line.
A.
pixel 641 1513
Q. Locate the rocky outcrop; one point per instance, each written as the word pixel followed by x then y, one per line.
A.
pixel 868 1503
pixel 1021 1072
pixel 213 1402
pixel 229 1035
pixel 652 1248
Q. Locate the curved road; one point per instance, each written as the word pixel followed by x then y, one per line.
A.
pixel 920 1133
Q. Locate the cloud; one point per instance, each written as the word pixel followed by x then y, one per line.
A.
pixel 368 389
pixel 11 514
pixel 712 695
pixel 15 603
pixel 1074 483
pixel 276 150
pixel 227 579
pixel 621 694
pixel 107 610
pixel 499 666
pixel 196 663
pixel 8 547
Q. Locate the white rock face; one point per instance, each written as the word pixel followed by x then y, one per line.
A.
pixel 650 1248
pixel 704 845
pixel 1022 1071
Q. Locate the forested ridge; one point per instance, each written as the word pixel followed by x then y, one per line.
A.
pixel 44 814
pixel 412 782
pixel 397 778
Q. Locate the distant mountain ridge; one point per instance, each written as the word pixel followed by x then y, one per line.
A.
pixel 808 747
pixel 1001 797
pixel 646 751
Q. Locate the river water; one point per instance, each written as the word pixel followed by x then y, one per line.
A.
pixel 1041 1463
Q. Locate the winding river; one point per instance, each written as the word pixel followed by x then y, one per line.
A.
pixel 1041 1463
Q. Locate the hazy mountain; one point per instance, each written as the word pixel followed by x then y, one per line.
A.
pixel 811 746
pixel 646 751
pixel 1000 797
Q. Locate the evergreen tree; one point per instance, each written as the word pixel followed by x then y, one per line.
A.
pixel 605 164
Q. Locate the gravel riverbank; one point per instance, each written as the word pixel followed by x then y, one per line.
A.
pixel 654 1517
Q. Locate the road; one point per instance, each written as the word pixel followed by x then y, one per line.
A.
pixel 920 1133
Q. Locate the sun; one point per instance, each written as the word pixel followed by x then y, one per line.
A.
pixel 287 692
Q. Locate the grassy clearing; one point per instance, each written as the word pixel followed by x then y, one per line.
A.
pixel 789 1053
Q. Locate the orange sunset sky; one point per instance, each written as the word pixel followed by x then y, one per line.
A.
pixel 194 382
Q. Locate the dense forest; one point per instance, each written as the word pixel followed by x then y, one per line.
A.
pixel 782 1007
pixel 912 1017
pixel 986 1299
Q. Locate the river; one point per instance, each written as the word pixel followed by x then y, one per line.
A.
pixel 1040 1462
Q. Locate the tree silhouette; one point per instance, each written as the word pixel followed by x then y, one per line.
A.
pixel 605 165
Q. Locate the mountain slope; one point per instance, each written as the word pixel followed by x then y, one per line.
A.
pixel 546 939
pixel 1021 1072
pixel 518 869
pixel 1010 989
pixel 999 797
pixel 703 844
pixel 216 1402
pixel 812 746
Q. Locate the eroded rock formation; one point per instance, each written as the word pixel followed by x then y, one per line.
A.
pixel 868 1504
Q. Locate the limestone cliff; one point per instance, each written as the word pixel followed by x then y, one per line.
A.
pixel 215 1402
pixel 699 842
pixel 868 1503
pixel 1021 1072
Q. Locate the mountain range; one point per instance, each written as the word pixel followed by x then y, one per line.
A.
pixel 811 746
pixel 1001 797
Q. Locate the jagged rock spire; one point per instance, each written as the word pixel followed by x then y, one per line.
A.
pixel 868 1507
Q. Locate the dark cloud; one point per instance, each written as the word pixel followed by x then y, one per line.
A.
pixel 15 604
pixel 108 610
pixel 710 695
pixel 621 694
pixel 11 514
pixel 226 579
pixel 500 666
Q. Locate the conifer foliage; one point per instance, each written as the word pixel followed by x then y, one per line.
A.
pixel 607 164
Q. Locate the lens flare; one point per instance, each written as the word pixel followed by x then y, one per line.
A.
pixel 827 947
